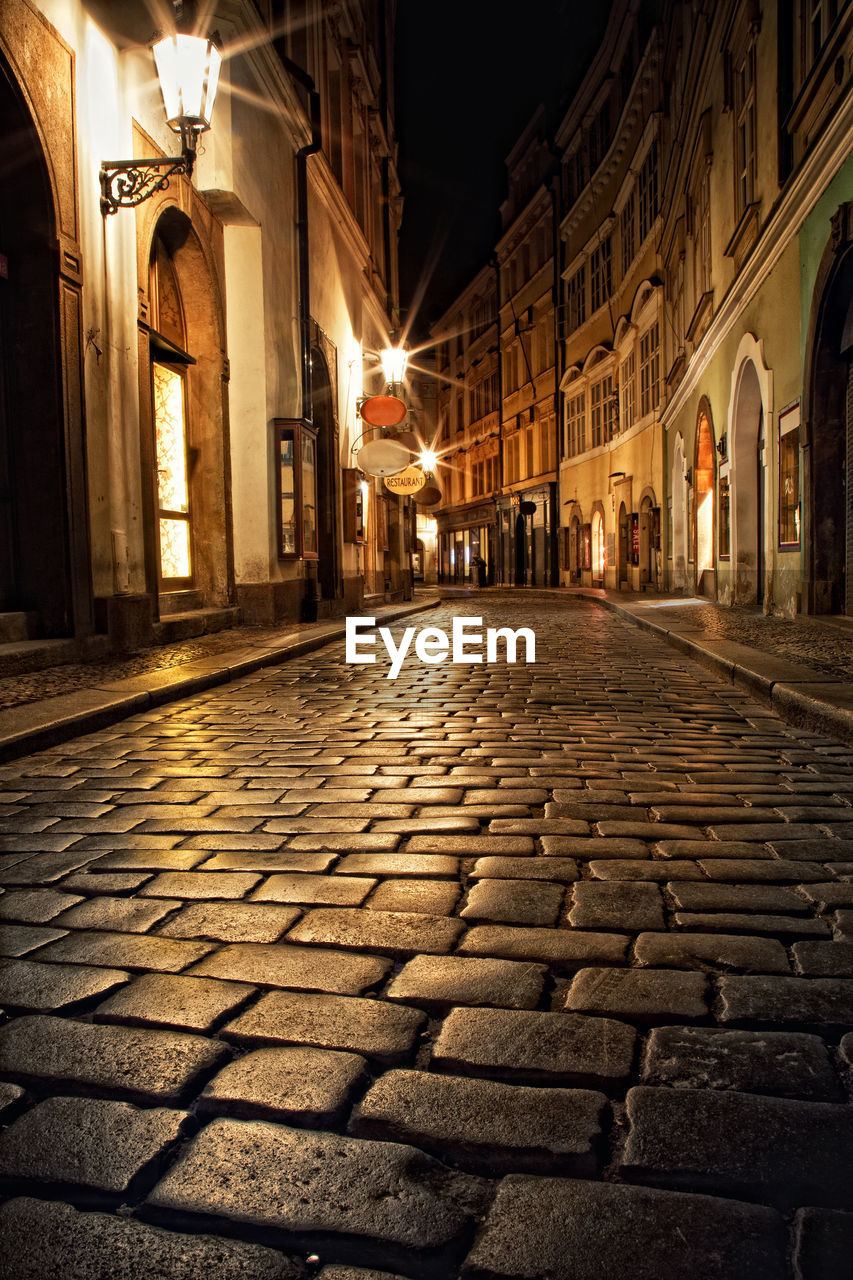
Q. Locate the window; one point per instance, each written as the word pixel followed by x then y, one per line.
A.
pixel 600 275
pixel 602 411
pixel 821 15
pixel 599 137
pixel 296 471
pixel 677 287
pixel 576 424
pixel 647 191
pixel 172 485
pixel 573 177
pixel 650 370
pixel 702 236
pixel 789 477
pixel 169 361
pixel 628 381
pixel 528 452
pixel 576 299
pixel 725 522
pixel 547 450
pixel 629 233
pixel 743 70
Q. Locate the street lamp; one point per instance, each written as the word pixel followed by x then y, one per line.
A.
pixel 188 68
pixel 394 361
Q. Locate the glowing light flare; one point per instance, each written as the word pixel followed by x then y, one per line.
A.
pixel 188 68
pixel 394 361
pixel 428 460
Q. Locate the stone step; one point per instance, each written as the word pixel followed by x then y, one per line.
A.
pixel 175 627
pixel 15 627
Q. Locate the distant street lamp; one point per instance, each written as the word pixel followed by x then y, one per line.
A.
pixel 188 67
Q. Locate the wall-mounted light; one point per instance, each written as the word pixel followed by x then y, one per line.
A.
pixel 428 460
pixel 723 446
pixel 188 67
pixel 394 361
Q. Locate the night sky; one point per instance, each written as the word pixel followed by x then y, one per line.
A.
pixel 470 74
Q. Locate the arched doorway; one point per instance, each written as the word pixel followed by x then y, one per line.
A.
pixel 679 518
pixel 598 557
pixel 575 564
pixel 748 487
pixel 704 473
pixel 520 551
pixel 188 521
pixel 828 426
pixel 35 571
pixel 329 578
pixel 624 552
pixel 648 573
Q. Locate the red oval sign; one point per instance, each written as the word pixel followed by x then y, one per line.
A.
pixel 383 411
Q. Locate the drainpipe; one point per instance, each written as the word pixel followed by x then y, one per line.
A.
pixel 311 148
pixel 557 509
pixel 311 597
pixel 498 509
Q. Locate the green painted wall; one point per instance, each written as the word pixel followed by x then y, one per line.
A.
pixel 814 236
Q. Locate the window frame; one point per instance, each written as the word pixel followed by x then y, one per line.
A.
pixel 297 430
pixel 788 428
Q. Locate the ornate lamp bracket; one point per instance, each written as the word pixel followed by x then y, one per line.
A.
pixel 126 183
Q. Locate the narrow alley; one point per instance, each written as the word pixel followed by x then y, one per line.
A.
pixel 487 971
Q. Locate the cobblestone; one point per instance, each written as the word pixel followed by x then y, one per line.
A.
pixel 485 1125
pixel 272 1176
pixel 41 1236
pixel 177 1003
pixel 574 1230
pixel 435 982
pixel 654 995
pixel 789 1064
pixel 378 1030
pixel 138 1064
pixel 508 836
pixel 93 1144
pixel 736 1143
pixel 28 984
pixel 535 1046
pixel 294 1085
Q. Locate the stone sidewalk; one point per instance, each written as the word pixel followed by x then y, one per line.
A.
pixel 483 973
pixel 49 706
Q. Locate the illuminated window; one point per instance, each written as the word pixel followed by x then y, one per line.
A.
pixel 169 362
pixel 171 462
pixel 296 471
pixel 789 477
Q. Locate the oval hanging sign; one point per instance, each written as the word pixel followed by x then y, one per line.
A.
pixel 408 481
pixel 383 457
pixel 428 496
pixel 383 411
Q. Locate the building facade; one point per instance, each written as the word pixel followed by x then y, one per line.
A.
pixel 181 380
pixel 468 435
pixel 526 255
pixel 611 330
pixel 704 324
pixel 756 259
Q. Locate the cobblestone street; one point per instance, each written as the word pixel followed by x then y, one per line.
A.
pixel 501 972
